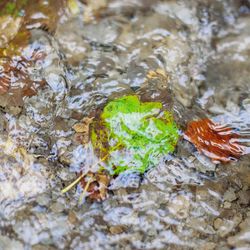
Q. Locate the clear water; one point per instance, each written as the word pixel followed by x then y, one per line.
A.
pixel 101 50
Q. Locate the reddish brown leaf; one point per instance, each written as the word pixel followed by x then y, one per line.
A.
pixel 220 143
pixel 15 81
pixel 96 185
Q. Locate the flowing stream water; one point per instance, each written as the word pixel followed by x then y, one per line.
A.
pixel 79 57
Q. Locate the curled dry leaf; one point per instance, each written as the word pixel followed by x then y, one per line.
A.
pixel 220 143
pixel 158 73
pixel 95 185
pixel 83 126
pixel 82 130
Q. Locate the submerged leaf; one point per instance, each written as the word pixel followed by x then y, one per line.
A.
pixel 95 185
pixel 17 18
pixel 9 27
pixel 16 46
pixel 82 130
pixel 73 7
pixel 142 132
pixel 220 143
pixel 44 14
pixel 159 73
pixel 19 153
pixel 93 9
pixel 83 126
pixel 15 80
pixel 12 7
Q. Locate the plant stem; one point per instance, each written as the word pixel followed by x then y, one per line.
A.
pixel 72 184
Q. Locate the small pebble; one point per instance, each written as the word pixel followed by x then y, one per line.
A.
pixel 230 195
pixel 217 223
pixel 57 207
pixel 72 218
pixel 116 229
pixel 227 204
pixel 244 197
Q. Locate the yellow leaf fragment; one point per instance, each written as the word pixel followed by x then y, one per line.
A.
pixel 161 72
pixel 72 184
pixel 93 9
pixel 155 74
pixel 73 7
pixel 83 126
pixel 82 130
pixel 9 27
pixel 79 128
pixel 103 182
pixel 19 153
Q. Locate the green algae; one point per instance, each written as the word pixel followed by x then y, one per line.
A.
pixel 135 135
pixel 13 8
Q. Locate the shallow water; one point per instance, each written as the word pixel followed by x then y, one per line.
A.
pixel 95 53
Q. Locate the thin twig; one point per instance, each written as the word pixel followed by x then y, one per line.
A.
pixel 71 185
pixel 85 190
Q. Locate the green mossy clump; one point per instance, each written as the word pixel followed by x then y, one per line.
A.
pixel 135 135
pixel 13 8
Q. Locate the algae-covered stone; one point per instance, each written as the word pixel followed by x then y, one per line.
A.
pixel 134 135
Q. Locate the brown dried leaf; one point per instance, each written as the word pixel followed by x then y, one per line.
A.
pixel 117 229
pixel 83 126
pixel 15 81
pixel 96 185
pixel 93 9
pixel 82 130
pixel 157 82
pixel 159 73
pixel 215 141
